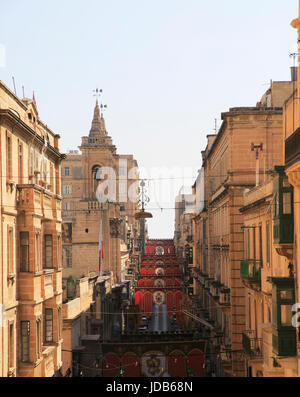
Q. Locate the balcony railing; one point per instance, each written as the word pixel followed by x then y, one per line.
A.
pixel 250 270
pixel 252 345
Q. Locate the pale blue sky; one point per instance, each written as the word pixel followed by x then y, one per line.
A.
pixel 167 68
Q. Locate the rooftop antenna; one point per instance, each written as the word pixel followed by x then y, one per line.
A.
pixel 13 79
pixel 23 91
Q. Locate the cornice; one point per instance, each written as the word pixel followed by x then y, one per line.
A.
pixel 11 116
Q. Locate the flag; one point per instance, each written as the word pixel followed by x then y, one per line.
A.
pixel 100 248
pixel 33 98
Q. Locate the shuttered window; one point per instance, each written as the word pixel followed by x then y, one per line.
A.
pixel 48 325
pixel 25 341
pixel 24 251
pixel 48 251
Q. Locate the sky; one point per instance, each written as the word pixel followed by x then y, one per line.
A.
pixel 167 68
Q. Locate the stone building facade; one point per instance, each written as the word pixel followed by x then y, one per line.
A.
pixel 30 238
pixel 231 165
pixel 98 164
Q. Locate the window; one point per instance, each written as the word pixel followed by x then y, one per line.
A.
pixel 45 170
pixel 58 323
pixel 57 179
pixel 268 241
pixel 286 203
pixel 286 315
pixel 24 251
pixel 122 171
pixel 48 325
pixel 122 187
pixel 260 244
pixel 25 341
pixel 20 163
pixel 38 338
pixel 67 171
pixel 67 206
pixel 254 243
pixel 96 176
pixel 48 251
pixel 58 251
pixel 38 265
pixel 68 256
pixel 246 243
pixel 67 189
pixel 8 157
pixel 286 294
pixel 249 312
pixel 10 250
pixel 276 205
pixel 11 358
pixel 51 177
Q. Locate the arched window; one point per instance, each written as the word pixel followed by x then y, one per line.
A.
pixel 96 176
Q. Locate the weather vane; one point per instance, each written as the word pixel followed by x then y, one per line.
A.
pixel 103 107
pixel 97 92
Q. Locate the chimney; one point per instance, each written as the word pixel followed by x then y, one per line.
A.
pixel 294 73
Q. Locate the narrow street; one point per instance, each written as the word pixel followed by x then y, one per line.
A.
pixel 164 343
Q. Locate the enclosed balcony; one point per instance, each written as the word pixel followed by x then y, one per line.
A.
pixel 283 332
pixel 252 345
pixel 250 270
pixel 282 203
